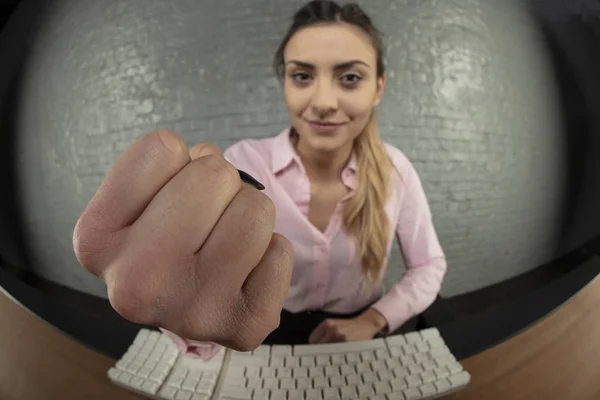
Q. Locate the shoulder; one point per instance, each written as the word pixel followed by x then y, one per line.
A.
pixel 251 155
pixel 400 160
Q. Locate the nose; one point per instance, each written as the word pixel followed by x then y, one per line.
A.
pixel 324 100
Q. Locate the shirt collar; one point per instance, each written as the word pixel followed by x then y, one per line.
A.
pixel 284 153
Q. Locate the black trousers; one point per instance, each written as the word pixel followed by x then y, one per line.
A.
pixel 295 328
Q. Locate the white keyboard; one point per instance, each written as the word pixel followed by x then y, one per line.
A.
pixel 414 366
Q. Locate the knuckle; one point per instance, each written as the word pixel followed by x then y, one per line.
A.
pixel 88 245
pixel 264 207
pixel 285 248
pixel 221 169
pixel 131 303
pixel 172 142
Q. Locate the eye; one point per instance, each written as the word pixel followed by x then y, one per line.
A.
pixel 351 78
pixel 301 77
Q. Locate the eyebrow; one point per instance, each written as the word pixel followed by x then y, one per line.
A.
pixel 344 65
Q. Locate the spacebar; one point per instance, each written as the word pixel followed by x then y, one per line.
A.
pixel 346 347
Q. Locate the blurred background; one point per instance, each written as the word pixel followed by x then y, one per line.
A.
pixel 491 100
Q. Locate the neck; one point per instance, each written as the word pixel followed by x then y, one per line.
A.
pixel 323 166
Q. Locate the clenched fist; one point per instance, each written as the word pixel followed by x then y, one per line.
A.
pixel 183 244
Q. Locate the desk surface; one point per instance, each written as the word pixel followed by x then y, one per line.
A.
pixel 555 359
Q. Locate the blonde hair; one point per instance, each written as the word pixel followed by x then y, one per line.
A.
pixel 364 214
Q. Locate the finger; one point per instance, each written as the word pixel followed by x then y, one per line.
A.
pixel 204 149
pixel 237 243
pixel 135 178
pixel 266 288
pixel 329 336
pixel 183 213
pixel 318 333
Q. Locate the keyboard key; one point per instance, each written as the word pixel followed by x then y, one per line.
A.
pixel 352 358
pixel 331 394
pixel 331 348
pixel 150 387
pixel 415 369
pixel 332 370
pixel 439 351
pixel 442 385
pixel 287 383
pixel 338 359
pixel 429 365
pixel 430 333
pixel 292 361
pixel 385 375
pixel 369 377
pixel 413 380
pixel 460 379
pixel 445 360
pixel 236 393
pixel 398 384
pixel 277 362
pixel 396 340
pixel 428 376
pixel 137 382
pixel 412 337
pixel 168 392
pixel 363 367
pixel 270 383
pixel 281 350
pixel 428 389
pixel 261 394
pixel 353 379
pixel 365 391
pixel 300 372
pixel 267 372
pixel 278 394
pixel 336 381
pixel 284 373
pixel 198 396
pixel 347 370
pixel 435 342
pixel 382 388
pixel 303 383
pixel 294 395
pixel 454 368
pixel 183 395
pixel 308 361
pixel 320 382
pixel 125 377
pixel 323 360
pixel 382 354
pixel 412 393
pixel 205 387
pixel 441 372
pixel 348 392
pixel 367 356
pixel 314 394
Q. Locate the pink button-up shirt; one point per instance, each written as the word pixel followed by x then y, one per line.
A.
pixel 325 276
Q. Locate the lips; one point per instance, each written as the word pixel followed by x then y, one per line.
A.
pixel 325 127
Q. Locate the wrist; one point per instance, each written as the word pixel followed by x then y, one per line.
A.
pixel 375 318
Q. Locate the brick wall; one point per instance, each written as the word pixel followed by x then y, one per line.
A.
pixel 470 99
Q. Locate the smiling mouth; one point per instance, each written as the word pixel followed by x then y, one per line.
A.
pixel 330 124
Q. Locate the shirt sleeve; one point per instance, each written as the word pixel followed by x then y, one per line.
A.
pixel 191 348
pixel 424 258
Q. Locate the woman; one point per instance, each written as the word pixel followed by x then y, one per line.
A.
pixel 340 193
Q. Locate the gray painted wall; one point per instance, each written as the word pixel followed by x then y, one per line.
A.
pixel 470 100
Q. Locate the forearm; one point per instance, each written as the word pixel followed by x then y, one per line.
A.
pixel 412 294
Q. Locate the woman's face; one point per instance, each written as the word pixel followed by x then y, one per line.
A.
pixel 331 84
